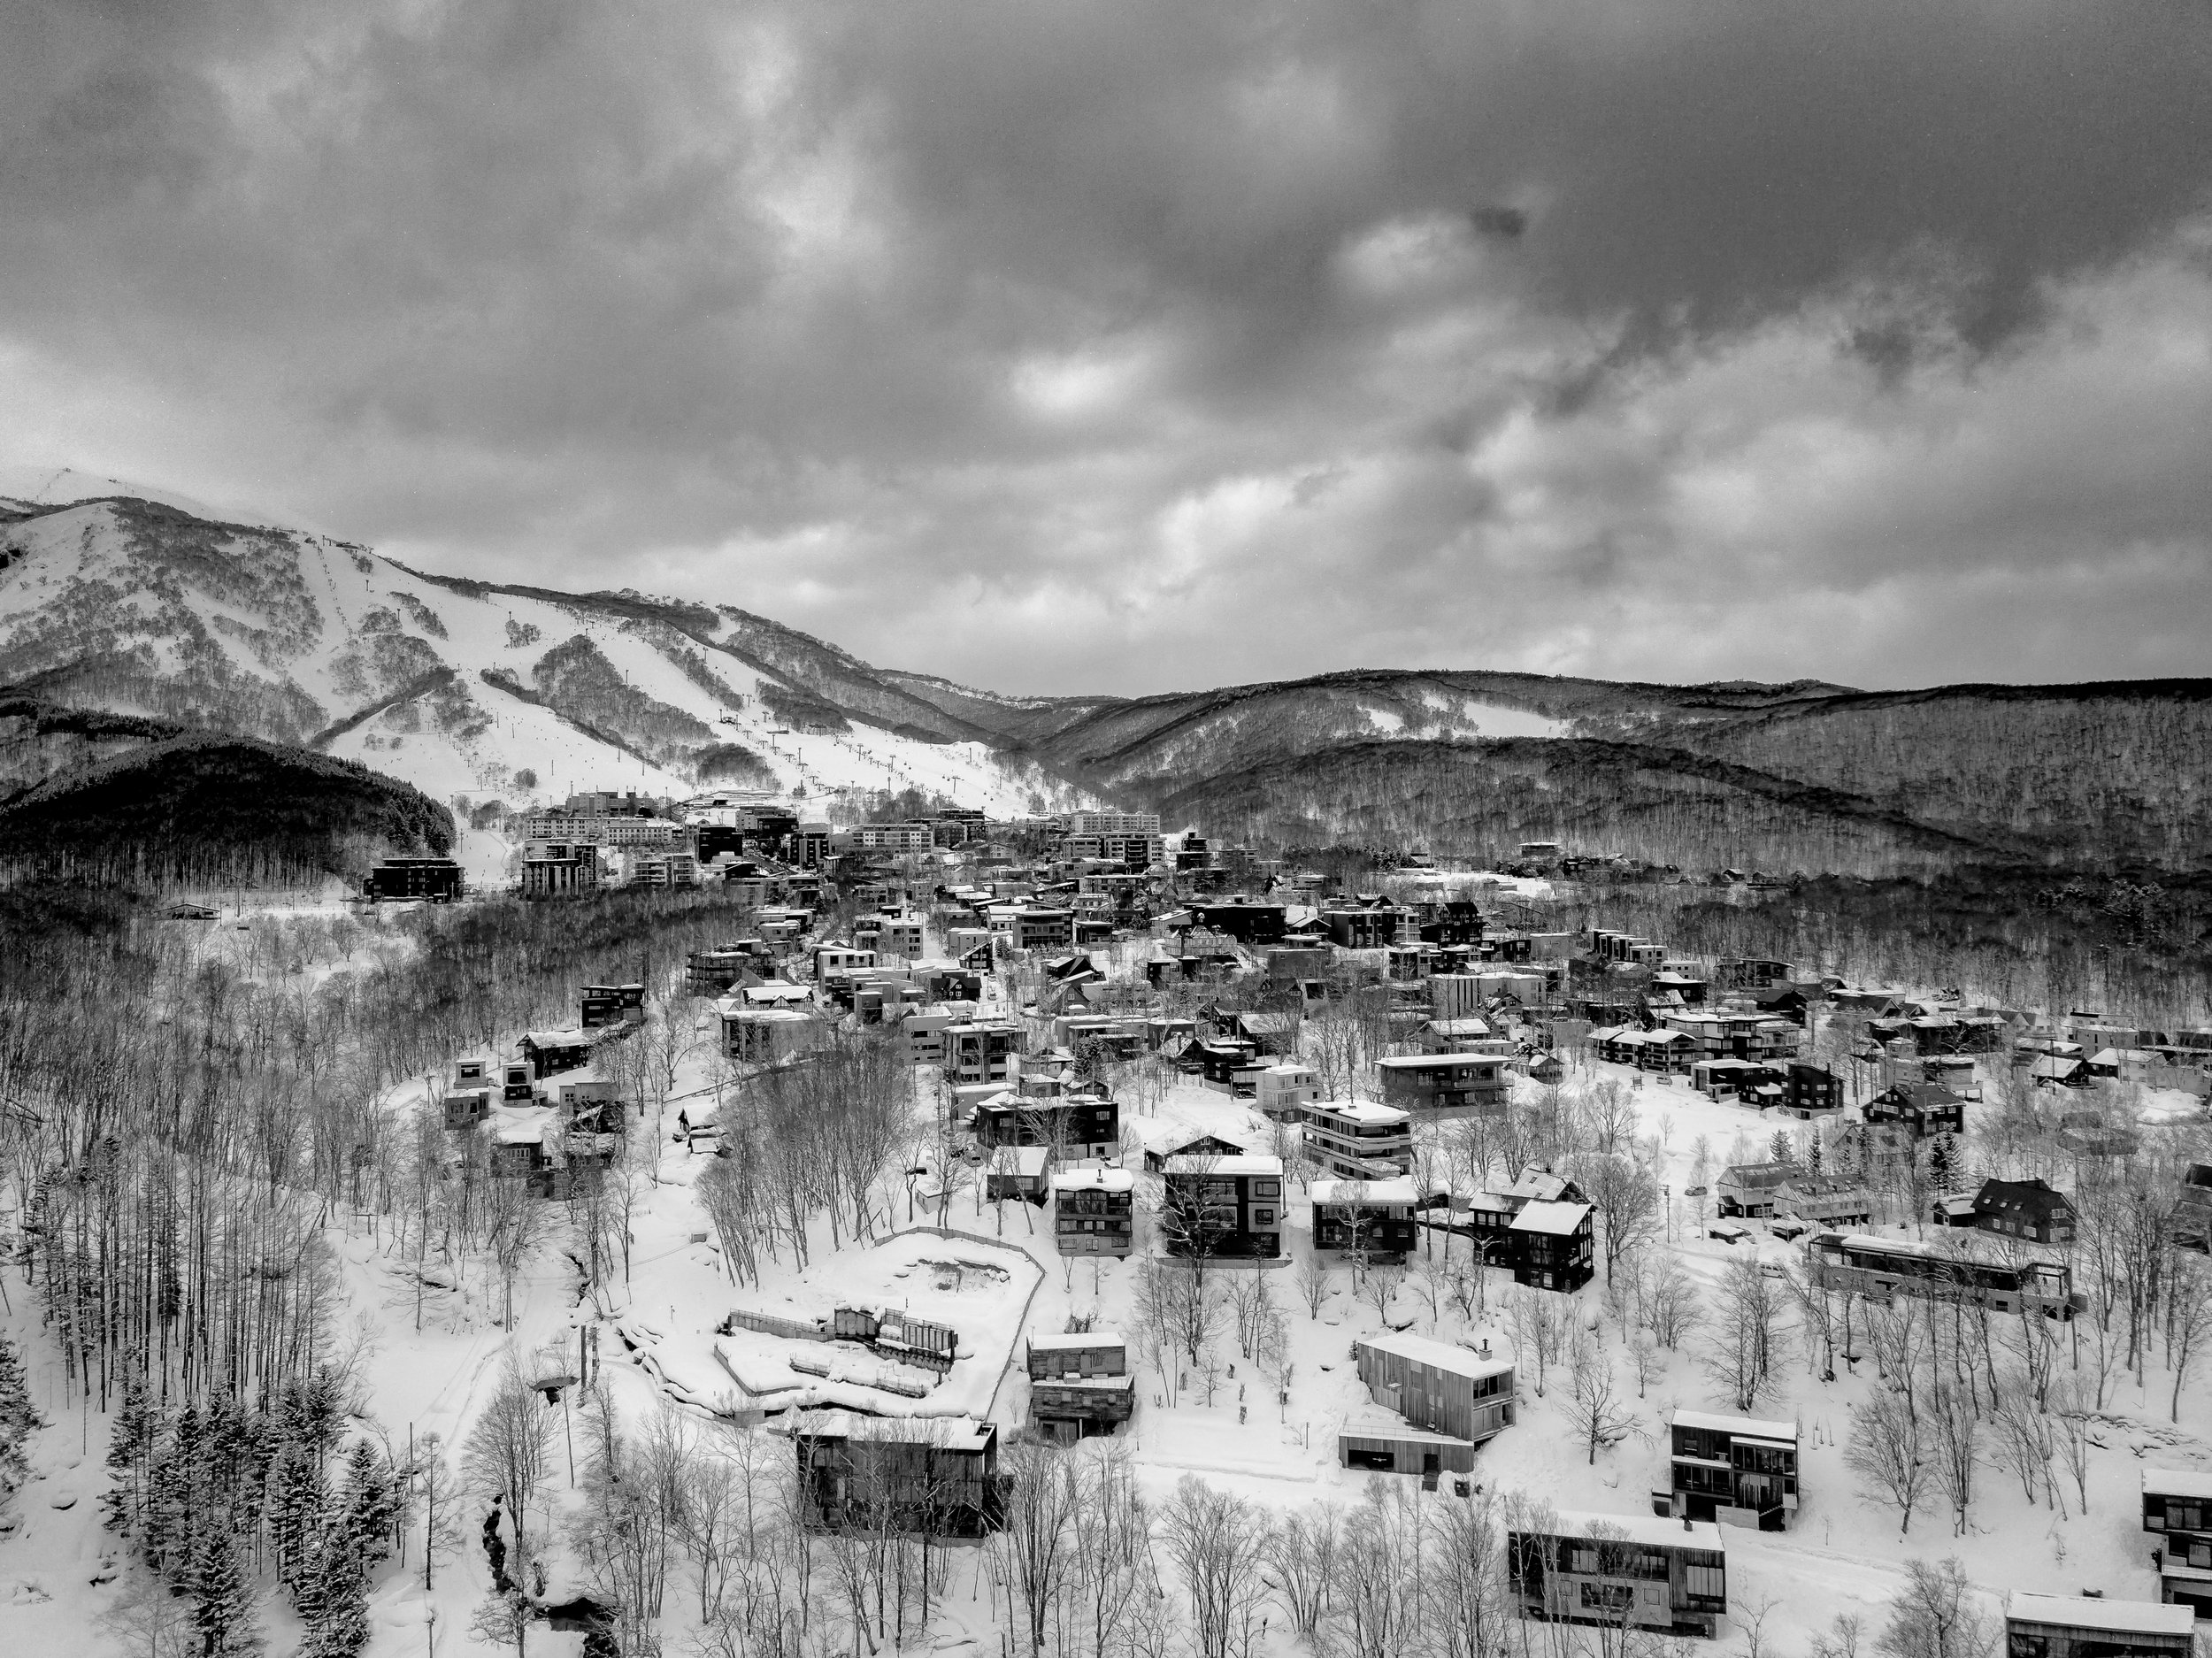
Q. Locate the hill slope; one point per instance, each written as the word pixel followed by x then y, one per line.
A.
pixel 463 689
pixel 164 808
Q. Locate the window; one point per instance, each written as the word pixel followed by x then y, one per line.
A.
pixel 1263 1217
pixel 1708 1582
pixel 1267 1188
pixel 1583 1560
pixel 1606 1597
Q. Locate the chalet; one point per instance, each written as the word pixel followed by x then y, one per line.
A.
pixel 1464 1035
pixel 1752 1188
pixel 1729 1468
pixel 1078 1125
pixel 2070 1626
pixel 2177 1507
pixel 1093 1211
pixel 1223 1206
pixel 936 1476
pixel 1741 1035
pixel 1919 1110
pixel 2057 1071
pixel 1625 1570
pixel 1358 1140
pixel 1665 1051
pixel 1272 1035
pixel 1752 973
pixel 1880 1268
pixel 551 1051
pixel 1369 1218
pixel 1810 1091
pixel 1553 1246
pixel 1437 1401
pixel 1217 1060
pixel 1162 1140
pixel 1080 1384
pixel 2024 1208
pixel 1431 1083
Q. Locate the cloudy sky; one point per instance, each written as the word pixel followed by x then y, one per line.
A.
pixel 1138 347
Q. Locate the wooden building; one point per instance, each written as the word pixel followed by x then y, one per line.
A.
pixel 1356 1140
pixel 1434 1083
pixel 1223 1207
pixel 1880 1268
pixel 936 1476
pixel 1093 1210
pixel 1442 1401
pixel 1371 1217
pixel 1736 1468
pixel 1080 1384
pixel 1623 1570
pixel 2071 1626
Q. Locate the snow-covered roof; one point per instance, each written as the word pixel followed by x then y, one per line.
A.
pixel 1559 1218
pixel 1438 1355
pixel 1093 1180
pixel 1360 1111
pixel 1436 1062
pixel 2136 1617
pixel 1648 1529
pixel 1255 1165
pixel 2176 1482
pixel 1398 1191
pixel 1741 1426
pixel 1077 1340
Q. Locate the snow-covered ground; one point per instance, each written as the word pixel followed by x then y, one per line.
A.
pixel 994 1274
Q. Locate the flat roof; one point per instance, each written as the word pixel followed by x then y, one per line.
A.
pixel 1743 1426
pixel 1078 1340
pixel 2176 1482
pixel 1550 1217
pixel 1225 1165
pixel 2136 1617
pixel 1095 1180
pixel 1648 1529
pixel 1397 1191
pixel 1438 1355
pixel 1361 1111
pixel 1436 1062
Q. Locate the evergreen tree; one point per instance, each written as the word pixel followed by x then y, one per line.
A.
pixel 371 1502
pixel 130 1450
pixel 298 1503
pixel 18 1420
pixel 222 1605
pixel 338 1622
pixel 1781 1149
pixel 1941 1161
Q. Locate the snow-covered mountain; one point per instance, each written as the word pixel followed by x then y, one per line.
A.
pixel 472 692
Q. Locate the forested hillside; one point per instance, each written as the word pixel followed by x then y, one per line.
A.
pixel 203 809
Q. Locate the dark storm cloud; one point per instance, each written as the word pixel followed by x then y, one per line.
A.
pixel 1515 332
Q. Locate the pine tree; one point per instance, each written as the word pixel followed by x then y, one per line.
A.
pixel 222 1604
pixel 18 1420
pixel 130 1450
pixel 371 1502
pixel 1939 1162
pixel 299 1502
pixel 337 1610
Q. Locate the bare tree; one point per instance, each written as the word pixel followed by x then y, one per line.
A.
pixel 1740 1346
pixel 1217 1543
pixel 1302 1551
pixel 1936 1616
pixel 1035 1547
pixel 1601 1418
pixel 1314 1280
pixel 506 1454
pixel 1888 1453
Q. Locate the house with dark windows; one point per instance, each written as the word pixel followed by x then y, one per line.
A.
pixel 1093 1210
pixel 1372 1218
pixel 1734 1469
pixel 2024 1208
pixel 2079 1626
pixel 936 1475
pixel 2177 1510
pixel 1625 1570
pixel 1356 1140
pixel 1223 1207
pixel 1080 1384
pixel 1435 1402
